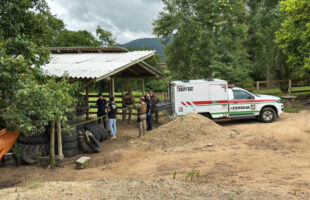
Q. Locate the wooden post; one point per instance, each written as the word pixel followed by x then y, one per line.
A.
pixel 52 144
pixel 257 85
pixel 112 87
pixel 123 87
pixel 59 141
pixel 87 101
pixel 290 87
pixel 143 87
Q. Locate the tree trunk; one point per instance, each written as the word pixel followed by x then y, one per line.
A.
pixel 268 76
pixel 52 145
pixel 60 154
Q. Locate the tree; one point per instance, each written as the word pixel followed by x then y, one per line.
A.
pixel 29 99
pixel 36 105
pixel 263 20
pixel 105 37
pixel 294 36
pixel 69 38
pixel 56 26
pixel 208 38
pixel 21 33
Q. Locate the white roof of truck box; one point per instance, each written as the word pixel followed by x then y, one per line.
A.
pixel 214 81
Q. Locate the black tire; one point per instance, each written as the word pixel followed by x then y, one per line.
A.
pixel 96 129
pixel 104 134
pixel 70 145
pixel 83 145
pixel 31 153
pixel 41 139
pixel 67 146
pixel 93 143
pixel 68 137
pixel 267 115
pixel 71 152
pixel 96 143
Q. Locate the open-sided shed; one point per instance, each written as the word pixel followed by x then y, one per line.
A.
pixel 94 64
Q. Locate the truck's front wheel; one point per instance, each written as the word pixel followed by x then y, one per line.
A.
pixel 267 115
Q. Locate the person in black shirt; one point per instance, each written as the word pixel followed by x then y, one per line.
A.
pixel 112 110
pixel 101 105
pixel 149 111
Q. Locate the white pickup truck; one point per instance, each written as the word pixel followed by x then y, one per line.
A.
pixel 215 99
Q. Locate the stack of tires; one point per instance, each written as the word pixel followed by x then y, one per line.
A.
pixel 87 140
pixel 33 147
pixel 70 143
pixel 90 136
pixel 97 130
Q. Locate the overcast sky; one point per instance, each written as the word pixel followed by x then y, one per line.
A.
pixel 127 19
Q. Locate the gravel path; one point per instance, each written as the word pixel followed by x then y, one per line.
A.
pixel 134 189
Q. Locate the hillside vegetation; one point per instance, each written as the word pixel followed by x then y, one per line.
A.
pixel 148 43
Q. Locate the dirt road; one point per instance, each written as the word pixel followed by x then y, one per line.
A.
pixel 274 157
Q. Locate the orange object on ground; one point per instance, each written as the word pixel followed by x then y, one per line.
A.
pixel 7 140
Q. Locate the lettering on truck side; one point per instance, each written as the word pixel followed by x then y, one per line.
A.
pixel 185 89
pixel 240 107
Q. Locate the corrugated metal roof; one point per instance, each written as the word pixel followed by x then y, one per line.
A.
pixel 95 65
pixel 87 49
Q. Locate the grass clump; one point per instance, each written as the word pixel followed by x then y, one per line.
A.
pixel 291 110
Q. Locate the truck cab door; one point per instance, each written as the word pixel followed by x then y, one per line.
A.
pixel 241 104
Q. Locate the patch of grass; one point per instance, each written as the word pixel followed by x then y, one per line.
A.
pixel 193 173
pixel 291 110
pixel 300 91
pixel 174 175
pixel 33 185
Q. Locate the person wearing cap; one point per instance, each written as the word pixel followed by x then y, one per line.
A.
pixel 141 118
pixel 112 110
pixel 128 102
pixel 101 105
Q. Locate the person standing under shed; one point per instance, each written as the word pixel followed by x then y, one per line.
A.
pixel 112 110
pixel 149 111
pixel 101 105
pixel 128 102
pixel 141 118
pixel 155 101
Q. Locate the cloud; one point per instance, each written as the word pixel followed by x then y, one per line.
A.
pixel 127 19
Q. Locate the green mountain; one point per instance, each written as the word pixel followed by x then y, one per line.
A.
pixel 149 43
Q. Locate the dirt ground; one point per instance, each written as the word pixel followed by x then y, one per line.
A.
pixel 271 157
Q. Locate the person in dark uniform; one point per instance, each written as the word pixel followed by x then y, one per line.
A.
pixel 101 105
pixel 112 110
pixel 149 111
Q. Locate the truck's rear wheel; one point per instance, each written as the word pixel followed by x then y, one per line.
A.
pixel 267 115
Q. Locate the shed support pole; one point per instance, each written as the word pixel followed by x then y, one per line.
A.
pixel 123 87
pixel 87 103
pixel 112 87
pixel 143 87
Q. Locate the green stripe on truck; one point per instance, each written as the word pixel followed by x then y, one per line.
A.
pixel 236 112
